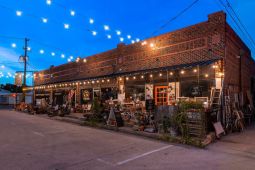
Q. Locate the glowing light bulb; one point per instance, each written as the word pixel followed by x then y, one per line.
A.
pixel 72 13
pixel 48 2
pixel 160 74
pixel 109 36
pixel 195 70
pixel 69 60
pixel 84 60
pixel 19 13
pixel 171 73
pixel 41 51
pixel 62 55
pixel 66 26
pixel 29 48
pixel 206 75
pixel 133 41
pixel 71 57
pixel 118 32
pixel 53 54
pixel 106 27
pixel 121 39
pixel 129 36
pixel 94 33
pixel 14 45
pixel 151 45
pixel 182 72
pixel 91 21
pixel 44 20
pixel 137 40
pixel 142 76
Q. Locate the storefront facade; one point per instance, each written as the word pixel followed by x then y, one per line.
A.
pixel 183 64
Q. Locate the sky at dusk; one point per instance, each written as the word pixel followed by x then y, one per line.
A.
pixel 93 27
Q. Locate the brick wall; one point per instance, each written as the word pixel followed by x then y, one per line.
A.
pixel 236 52
pixel 200 42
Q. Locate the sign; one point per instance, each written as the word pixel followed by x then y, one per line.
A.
pixel 148 91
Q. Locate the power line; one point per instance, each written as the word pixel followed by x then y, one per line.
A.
pixel 221 2
pixel 238 18
pixel 175 17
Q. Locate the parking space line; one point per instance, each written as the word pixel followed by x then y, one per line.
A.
pixel 144 154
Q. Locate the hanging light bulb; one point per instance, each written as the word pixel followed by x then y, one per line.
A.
pixel 144 42
pixel 69 60
pixel 152 45
pixel 118 32
pixel 151 75
pixel 28 48
pixel 133 41
pixel 19 13
pixel 195 70
pixel 129 36
pixel 127 78
pixel 160 74
pixel 109 36
pixel 66 26
pixel 14 45
pixel 41 51
pixel 121 39
pixel 171 73
pixel 142 76
pixel 48 2
pixel 137 40
pixel 72 13
pixel 62 55
pixel 182 72
pixel 206 75
pixel 84 60
pixel 91 21
pixel 134 77
pixel 94 33
pixel 106 27
pixel 53 54
pixel 44 20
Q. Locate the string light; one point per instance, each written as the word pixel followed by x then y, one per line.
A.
pixel 62 55
pixel 121 39
pixel 206 75
pixel 118 32
pixel 106 28
pixel 84 60
pixel 171 73
pixel 69 60
pixel 44 20
pixel 14 45
pixel 109 36
pixel 53 54
pixel 133 41
pixel 127 78
pixel 66 26
pixel 151 45
pixel 120 79
pixel 48 2
pixel 142 76
pixel 129 36
pixel 144 42
pixel 108 80
pixel 137 40
pixel 182 72
pixel 160 74
pixel 91 21
pixel 195 70
pixel 151 76
pixel 134 77
pixel 18 13
pixel 29 48
pixel 72 13
pixel 41 51
pixel 94 33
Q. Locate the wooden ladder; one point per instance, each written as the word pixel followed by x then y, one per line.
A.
pixel 215 100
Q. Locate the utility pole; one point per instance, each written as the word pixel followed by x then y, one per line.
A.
pixel 25 69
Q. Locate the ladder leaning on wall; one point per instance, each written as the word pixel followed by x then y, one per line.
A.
pixel 215 101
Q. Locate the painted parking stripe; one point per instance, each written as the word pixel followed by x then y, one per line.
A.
pixel 143 155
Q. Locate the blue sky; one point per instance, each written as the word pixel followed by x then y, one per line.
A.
pixel 138 18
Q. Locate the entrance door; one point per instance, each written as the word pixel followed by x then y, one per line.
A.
pixel 161 95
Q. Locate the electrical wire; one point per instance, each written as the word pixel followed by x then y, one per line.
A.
pixel 175 17
pixel 241 23
pixel 234 20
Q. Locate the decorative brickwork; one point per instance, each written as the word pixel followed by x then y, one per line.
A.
pixel 213 39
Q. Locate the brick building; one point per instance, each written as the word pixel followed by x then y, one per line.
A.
pixel 205 55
